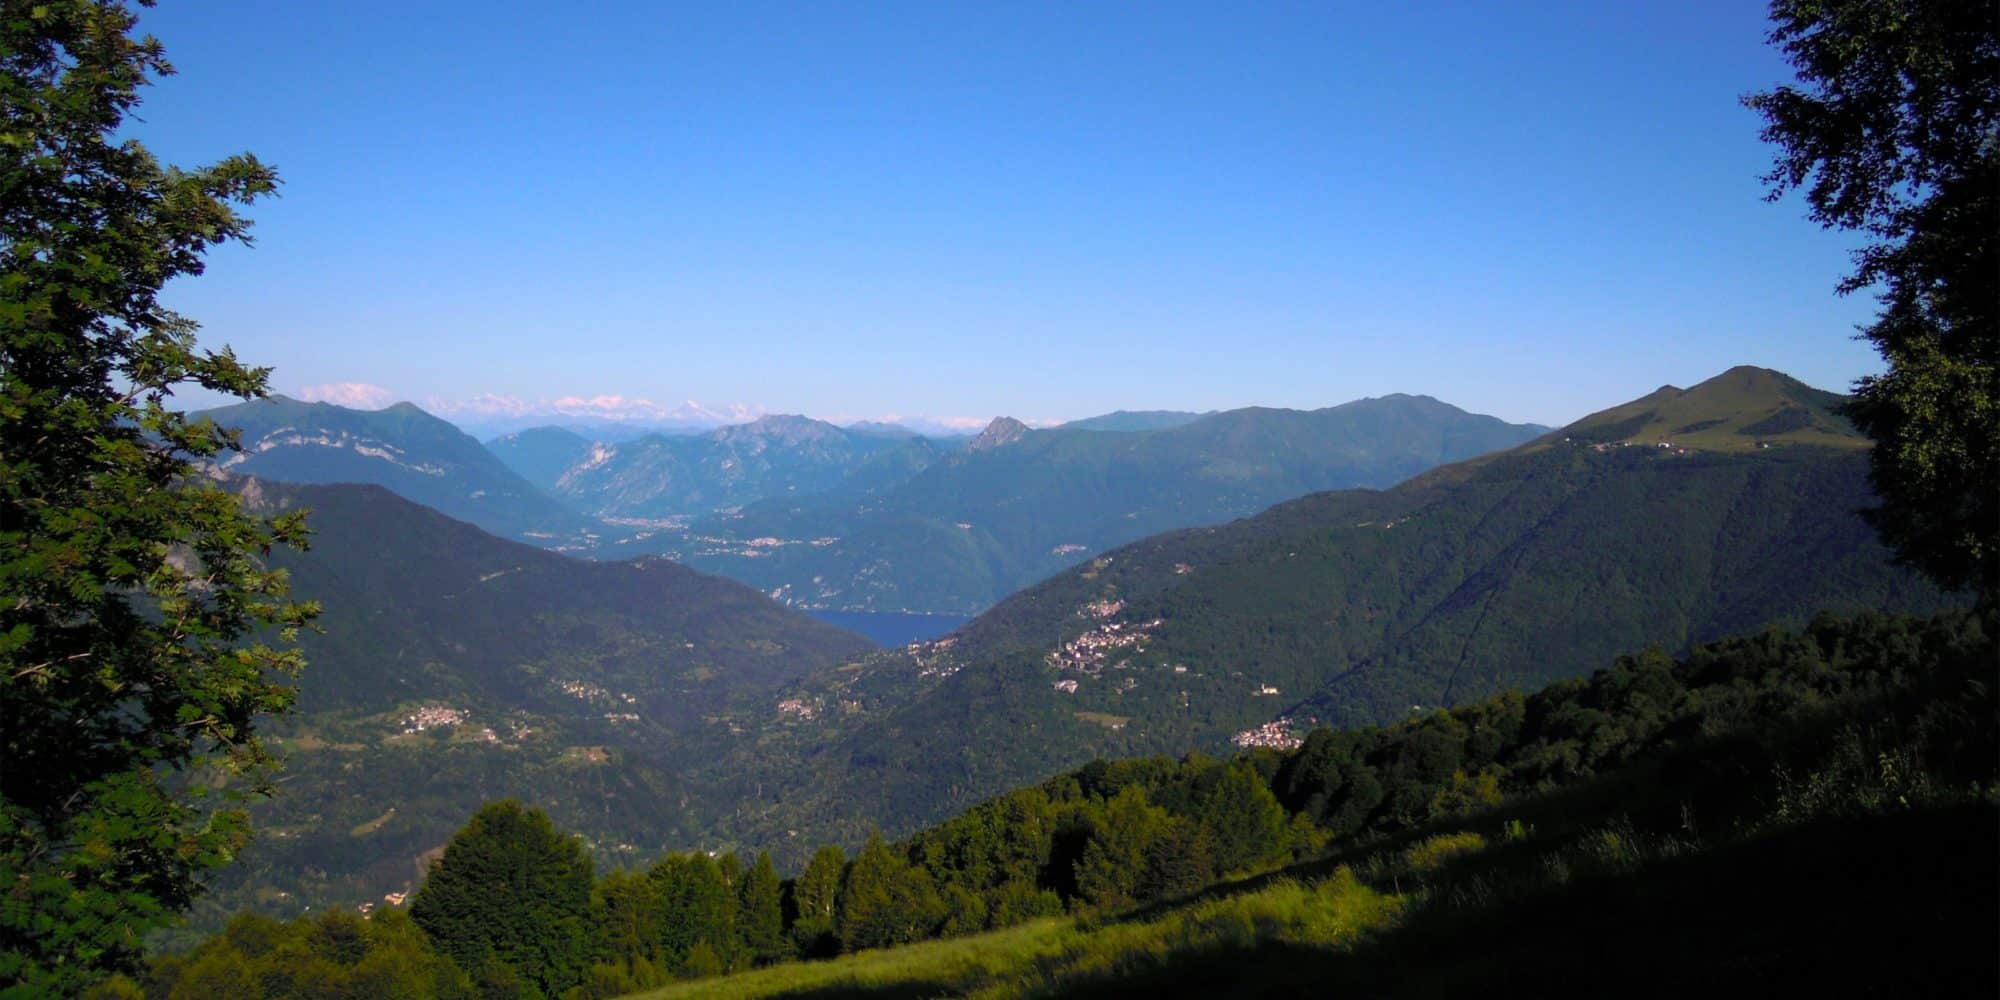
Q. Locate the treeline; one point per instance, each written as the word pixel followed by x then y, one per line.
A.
pixel 1843 714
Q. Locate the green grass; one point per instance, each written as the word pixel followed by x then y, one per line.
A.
pixel 1047 957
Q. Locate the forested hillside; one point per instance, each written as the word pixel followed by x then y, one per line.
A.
pixel 456 667
pixel 1343 608
pixel 1458 836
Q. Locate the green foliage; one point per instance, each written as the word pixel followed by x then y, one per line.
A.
pixel 1433 853
pixel 130 591
pixel 511 891
pixel 1115 849
pixel 1248 828
pixel 334 955
pixel 885 900
pixel 1891 133
pixel 1055 957
pixel 698 911
pixel 1373 780
pixel 815 903
pixel 761 913
pixel 630 924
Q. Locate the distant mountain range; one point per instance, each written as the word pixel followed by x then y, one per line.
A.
pixel 960 530
pixel 1357 606
pixel 870 517
pixel 659 477
pixel 1136 420
pixel 412 453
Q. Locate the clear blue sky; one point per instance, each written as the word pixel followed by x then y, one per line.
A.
pixel 1531 210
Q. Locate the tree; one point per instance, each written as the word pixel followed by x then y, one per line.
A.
pixel 1896 134
pixel 513 891
pixel 761 915
pixel 885 900
pixel 1247 825
pixel 696 907
pixel 629 916
pixel 1113 865
pixel 128 586
pixel 815 901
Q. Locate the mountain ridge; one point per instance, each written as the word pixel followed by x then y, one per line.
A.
pixel 1348 607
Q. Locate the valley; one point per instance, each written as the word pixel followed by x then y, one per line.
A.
pixel 1202 500
pixel 719 718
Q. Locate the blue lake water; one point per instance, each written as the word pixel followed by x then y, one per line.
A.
pixel 890 628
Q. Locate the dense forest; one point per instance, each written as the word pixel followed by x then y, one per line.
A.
pixel 1750 738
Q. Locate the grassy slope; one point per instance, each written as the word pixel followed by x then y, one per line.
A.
pixel 1886 905
pixel 1843 847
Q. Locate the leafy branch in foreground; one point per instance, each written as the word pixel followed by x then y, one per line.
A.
pixel 140 633
pixel 1896 133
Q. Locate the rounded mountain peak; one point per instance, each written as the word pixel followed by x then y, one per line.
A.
pixel 1001 432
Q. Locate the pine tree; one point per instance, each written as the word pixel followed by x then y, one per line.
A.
pixel 761 914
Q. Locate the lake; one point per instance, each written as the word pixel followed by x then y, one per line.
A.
pixel 891 628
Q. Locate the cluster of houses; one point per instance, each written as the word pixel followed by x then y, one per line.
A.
pixel 432 717
pixel 933 658
pixel 588 692
pixel 798 708
pixel 1276 735
pixel 1087 652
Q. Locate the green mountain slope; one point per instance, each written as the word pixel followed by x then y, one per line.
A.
pixel 457 667
pixel 1743 409
pixel 1347 607
pixel 413 454
pixel 1016 505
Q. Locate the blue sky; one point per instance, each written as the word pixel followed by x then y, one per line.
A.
pixel 854 210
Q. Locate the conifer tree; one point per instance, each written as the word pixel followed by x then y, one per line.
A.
pixel 761 914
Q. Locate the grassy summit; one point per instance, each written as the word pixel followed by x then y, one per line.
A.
pixel 1742 409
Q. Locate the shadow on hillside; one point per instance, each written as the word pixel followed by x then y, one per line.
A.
pixel 1889 906
pixel 1903 905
